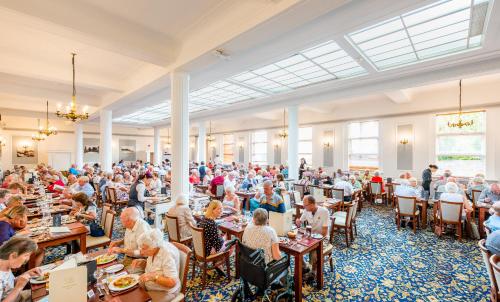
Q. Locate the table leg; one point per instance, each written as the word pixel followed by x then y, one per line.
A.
pixel 482 214
pixel 247 203
pixel 319 265
pixel 424 214
pixel 83 243
pixel 237 262
pixel 298 278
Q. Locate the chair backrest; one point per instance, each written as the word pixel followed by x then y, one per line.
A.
pixel 475 195
pixel 375 187
pixel 105 208
pixel 111 194
pixel 406 205
pixel 338 194
pixel 450 211
pixel 350 213
pixel 496 270
pixel 198 242
pixel 173 228
pixel 301 189
pixel 219 191
pixel 318 193
pixel 184 256
pixel 486 259
pixel 108 224
pixel 296 196
pixel 287 201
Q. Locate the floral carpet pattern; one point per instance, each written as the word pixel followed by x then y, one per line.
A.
pixel 383 264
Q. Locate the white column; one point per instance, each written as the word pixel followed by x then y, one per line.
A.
pixel 202 142
pixel 157 146
pixel 180 133
pixel 106 140
pixel 79 145
pixel 293 142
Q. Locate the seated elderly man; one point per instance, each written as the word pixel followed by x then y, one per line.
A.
pixel 345 185
pixel 249 181
pixel 268 200
pixel 477 184
pixel 490 195
pixel 81 186
pixel 216 181
pixel 355 183
pixel 231 180
pixel 134 227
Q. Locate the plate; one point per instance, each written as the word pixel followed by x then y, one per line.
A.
pixel 103 259
pixel 123 283
pixel 316 236
pixel 40 279
pixel 114 268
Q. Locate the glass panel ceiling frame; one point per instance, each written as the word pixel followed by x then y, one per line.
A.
pixel 440 29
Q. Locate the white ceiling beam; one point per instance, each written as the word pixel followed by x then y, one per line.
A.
pixel 349 49
pixel 83 23
pixel 398 96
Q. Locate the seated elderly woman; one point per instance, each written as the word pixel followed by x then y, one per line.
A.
pixel 194 178
pixel 453 194
pixel 155 185
pixel 207 179
pixel 261 236
pixel 122 191
pixel 83 208
pixel 161 277
pixel 231 200
pixel 14 253
pixel 15 220
pixel 377 178
pixel 477 184
pixel 493 223
pixel 182 211
pixel 17 188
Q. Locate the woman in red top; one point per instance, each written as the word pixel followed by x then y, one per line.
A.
pixel 376 178
pixel 55 184
pixel 194 178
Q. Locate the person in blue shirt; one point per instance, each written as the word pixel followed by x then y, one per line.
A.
pixel 249 182
pixel 15 219
pixel 202 169
pixel 493 223
pixel 84 186
pixel 73 170
pixel 269 200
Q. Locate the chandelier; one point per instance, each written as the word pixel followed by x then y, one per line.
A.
pixel 38 136
pixel 210 137
pixel 460 123
pixel 47 131
pixel 71 113
pixel 283 134
pixel 168 142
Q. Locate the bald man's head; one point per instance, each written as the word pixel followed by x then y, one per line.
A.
pixel 129 216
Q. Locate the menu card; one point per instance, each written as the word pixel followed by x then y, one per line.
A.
pixel 71 282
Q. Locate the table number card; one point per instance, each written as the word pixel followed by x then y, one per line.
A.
pixel 68 283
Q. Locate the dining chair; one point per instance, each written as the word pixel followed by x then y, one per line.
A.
pixel 486 255
pixel 112 198
pixel 343 222
pixel 287 201
pixel 105 208
pixel 296 196
pixel 174 235
pixel 184 257
pixel 450 213
pixel 406 206
pixel 203 261
pixel 301 189
pixel 376 191
pixel 475 199
pixel 103 241
pixel 318 193
pixel 219 192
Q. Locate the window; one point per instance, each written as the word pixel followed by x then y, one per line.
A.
pixel 228 148
pixel 463 151
pixel 363 145
pixel 305 144
pixel 259 147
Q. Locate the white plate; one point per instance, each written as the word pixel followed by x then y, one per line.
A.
pixel 111 259
pixel 116 289
pixel 114 268
pixel 316 236
pixel 36 281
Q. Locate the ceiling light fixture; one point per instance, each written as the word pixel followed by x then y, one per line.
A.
pixel 71 113
pixel 460 123
pixel 283 134
pixel 38 136
pixel 47 131
pixel 221 54
pixel 210 137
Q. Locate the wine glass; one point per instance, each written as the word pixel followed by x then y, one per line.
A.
pixel 99 272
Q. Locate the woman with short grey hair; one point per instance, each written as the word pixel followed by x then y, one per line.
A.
pixel 258 235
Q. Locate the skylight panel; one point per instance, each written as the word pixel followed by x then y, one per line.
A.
pixel 321 49
pixel 443 28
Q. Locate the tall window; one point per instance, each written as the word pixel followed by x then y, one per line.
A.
pixel 463 151
pixel 259 147
pixel 228 148
pixel 305 144
pixel 363 145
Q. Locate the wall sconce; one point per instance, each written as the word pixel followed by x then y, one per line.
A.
pixel 404 141
pixel 192 145
pixel 241 145
pixel 277 143
pixel 327 142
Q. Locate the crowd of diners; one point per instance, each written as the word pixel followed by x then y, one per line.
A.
pixel 145 249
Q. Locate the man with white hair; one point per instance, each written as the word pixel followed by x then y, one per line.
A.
pixel 490 195
pixel 345 185
pixel 230 181
pixel 134 227
pixel 84 186
pixel 249 181
pixel 269 200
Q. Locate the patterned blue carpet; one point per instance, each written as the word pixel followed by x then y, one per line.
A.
pixel 383 264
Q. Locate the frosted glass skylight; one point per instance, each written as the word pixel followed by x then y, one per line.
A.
pixel 442 28
pixel 146 115
pixel 323 62
pixel 221 94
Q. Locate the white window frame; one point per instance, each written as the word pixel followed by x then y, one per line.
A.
pixel 254 142
pixel 307 156
pixel 350 139
pixel 230 145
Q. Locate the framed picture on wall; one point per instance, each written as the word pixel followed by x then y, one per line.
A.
pixel 24 150
pixel 90 150
pixel 127 149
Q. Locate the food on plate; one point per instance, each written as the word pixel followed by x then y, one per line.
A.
pixel 291 235
pixel 123 282
pixel 105 258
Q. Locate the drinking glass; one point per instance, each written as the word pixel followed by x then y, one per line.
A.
pixel 98 275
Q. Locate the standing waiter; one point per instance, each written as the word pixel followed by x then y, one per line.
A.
pixel 427 179
pixel 138 192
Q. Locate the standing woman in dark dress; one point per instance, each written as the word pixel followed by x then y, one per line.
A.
pixel 138 192
pixel 427 179
pixel 302 167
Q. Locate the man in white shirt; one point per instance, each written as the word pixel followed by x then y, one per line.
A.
pixel 230 180
pixel 134 227
pixel 344 184
pixel 318 218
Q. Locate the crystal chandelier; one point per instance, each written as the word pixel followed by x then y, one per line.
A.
pixel 283 133
pixel 461 122
pixel 47 131
pixel 168 142
pixel 38 136
pixel 71 113
pixel 210 137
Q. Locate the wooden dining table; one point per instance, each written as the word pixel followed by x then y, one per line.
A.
pixel 78 231
pixel 246 196
pixel 138 294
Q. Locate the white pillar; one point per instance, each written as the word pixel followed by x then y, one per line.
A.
pixel 180 133
pixel 202 142
pixel 157 146
pixel 106 140
pixel 293 142
pixel 79 145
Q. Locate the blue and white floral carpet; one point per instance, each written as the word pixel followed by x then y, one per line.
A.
pixel 384 264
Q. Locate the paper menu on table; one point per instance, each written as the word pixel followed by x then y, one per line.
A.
pixel 59 230
pixel 68 283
